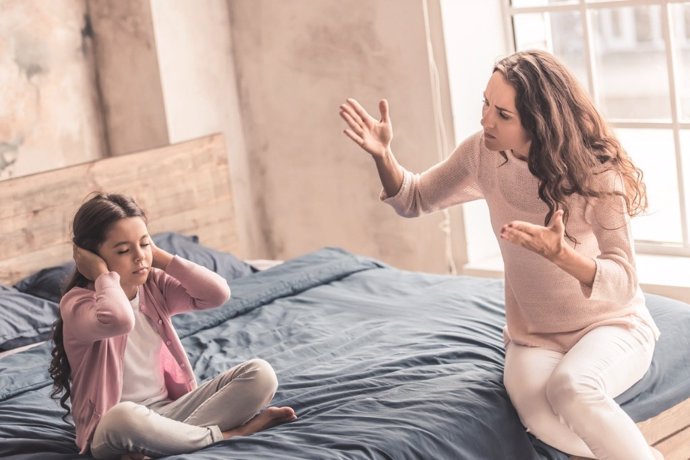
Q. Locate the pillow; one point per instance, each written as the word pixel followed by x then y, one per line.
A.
pixel 47 283
pixel 25 319
pixel 223 263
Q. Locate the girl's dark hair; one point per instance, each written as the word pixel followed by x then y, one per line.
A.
pixel 89 230
pixel 570 141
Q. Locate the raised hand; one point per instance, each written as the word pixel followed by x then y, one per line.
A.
pixel 372 135
pixel 160 258
pixel 545 241
pixel 89 264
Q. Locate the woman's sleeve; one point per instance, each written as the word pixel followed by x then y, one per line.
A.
pixel 450 182
pixel 616 275
pixel 99 314
pixel 190 286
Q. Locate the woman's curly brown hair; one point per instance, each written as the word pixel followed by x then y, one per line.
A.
pixel 570 141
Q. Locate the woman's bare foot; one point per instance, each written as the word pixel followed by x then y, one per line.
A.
pixel 267 418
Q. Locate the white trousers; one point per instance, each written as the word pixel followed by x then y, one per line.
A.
pixel 566 400
pixel 190 423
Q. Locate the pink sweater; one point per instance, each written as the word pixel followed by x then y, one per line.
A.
pixel 96 324
pixel 545 306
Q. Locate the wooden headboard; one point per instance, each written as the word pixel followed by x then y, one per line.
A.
pixel 183 187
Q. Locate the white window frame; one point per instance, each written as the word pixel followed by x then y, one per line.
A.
pixel 675 124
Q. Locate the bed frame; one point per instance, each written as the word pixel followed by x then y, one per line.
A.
pixel 184 188
pixel 669 432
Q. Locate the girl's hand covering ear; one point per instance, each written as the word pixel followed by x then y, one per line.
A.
pixel 160 258
pixel 89 264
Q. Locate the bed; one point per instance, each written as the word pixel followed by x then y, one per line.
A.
pixel 379 363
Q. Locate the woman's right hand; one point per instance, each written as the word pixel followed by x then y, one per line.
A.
pixel 88 264
pixel 373 136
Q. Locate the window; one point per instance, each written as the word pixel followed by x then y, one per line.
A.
pixel 634 58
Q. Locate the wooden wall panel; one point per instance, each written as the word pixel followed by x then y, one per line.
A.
pixel 183 187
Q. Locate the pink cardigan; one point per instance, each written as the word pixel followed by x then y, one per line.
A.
pixel 96 324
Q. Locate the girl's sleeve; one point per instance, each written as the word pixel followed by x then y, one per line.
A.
pixel 450 182
pixel 190 286
pixel 616 275
pixel 99 314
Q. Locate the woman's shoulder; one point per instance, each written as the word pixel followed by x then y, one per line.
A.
pixel 606 179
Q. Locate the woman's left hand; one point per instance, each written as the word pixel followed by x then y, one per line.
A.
pixel 545 241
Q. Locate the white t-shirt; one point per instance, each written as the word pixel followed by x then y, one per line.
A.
pixel 142 380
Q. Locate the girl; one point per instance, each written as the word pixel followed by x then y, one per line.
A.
pixel 118 358
pixel 560 189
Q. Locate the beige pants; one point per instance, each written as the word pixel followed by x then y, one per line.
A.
pixel 193 421
pixel 566 400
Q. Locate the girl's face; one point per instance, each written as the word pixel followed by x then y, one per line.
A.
pixel 500 119
pixel 127 251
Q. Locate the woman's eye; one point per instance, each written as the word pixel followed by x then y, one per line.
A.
pixel 504 115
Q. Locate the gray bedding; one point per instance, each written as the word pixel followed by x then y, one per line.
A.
pixel 379 363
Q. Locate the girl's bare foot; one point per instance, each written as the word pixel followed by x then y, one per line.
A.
pixel 134 456
pixel 267 418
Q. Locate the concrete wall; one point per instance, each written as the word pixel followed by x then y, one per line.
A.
pixel 197 74
pixel 296 62
pixel 270 75
pixel 49 111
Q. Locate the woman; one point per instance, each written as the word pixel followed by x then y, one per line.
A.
pixel 560 190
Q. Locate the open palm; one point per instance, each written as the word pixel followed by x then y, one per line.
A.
pixel 372 135
pixel 545 241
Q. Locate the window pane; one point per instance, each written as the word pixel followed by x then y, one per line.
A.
pixel 680 15
pixel 524 3
pixel 652 151
pixel 631 71
pixel 685 155
pixel 558 33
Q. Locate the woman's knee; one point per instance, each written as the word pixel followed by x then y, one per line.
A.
pixel 566 389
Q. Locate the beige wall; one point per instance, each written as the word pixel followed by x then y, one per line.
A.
pixel 197 73
pixel 296 61
pixel 49 113
pixel 270 75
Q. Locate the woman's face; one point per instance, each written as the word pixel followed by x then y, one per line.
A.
pixel 127 251
pixel 500 119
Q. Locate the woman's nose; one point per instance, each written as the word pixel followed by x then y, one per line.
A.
pixel 487 121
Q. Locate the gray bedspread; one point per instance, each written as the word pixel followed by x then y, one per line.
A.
pixel 379 363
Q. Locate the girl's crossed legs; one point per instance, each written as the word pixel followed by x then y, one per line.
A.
pixel 566 400
pixel 223 406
